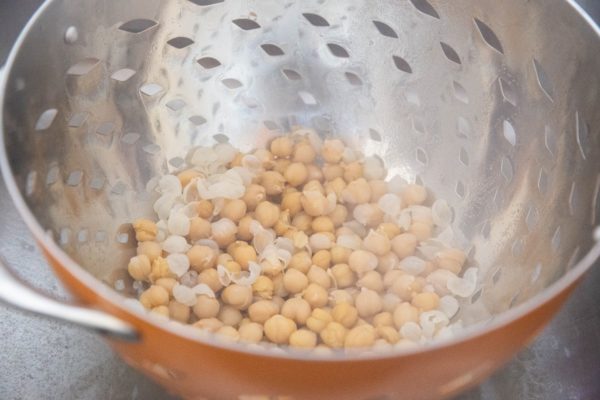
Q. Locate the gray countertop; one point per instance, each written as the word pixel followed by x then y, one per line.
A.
pixel 41 359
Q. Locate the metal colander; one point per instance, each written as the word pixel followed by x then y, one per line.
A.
pixel 493 105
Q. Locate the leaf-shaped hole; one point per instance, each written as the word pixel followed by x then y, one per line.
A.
pixel 206 2
pixel 291 74
pixel 353 79
pixel 246 24
pixel 450 53
pixel 272 49
pixel 208 62
pixel 138 25
pixel 180 42
pixel 402 64
pixel 543 80
pixel 338 50
pixel 425 7
pixel 489 36
pixel 315 19
pixel 385 29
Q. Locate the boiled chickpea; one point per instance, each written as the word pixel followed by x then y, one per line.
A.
pixel 243 230
pixel 413 195
pixel 303 338
pixel 206 307
pixel 179 312
pixel 154 296
pixel 230 316
pixel 209 324
pixel 282 147
pixel 426 301
pixel 251 332
pixel 339 215
pixel 339 254
pixel 145 230
pixel 199 229
pixel 343 275
pixel 368 303
pixel 304 153
pixel 202 257
pixel 205 209
pixel 319 276
pixel 345 314
pixel 332 171
pixel 228 333
pixel 353 171
pixel 237 296
pixel 267 214
pixel 139 267
pixel 262 310
pixel 263 287
pixel 296 174
pixel 234 210
pixel 334 334
pixel 186 176
pixel 244 254
pixel 404 313
pixel 302 222
pixel 315 295
pixel 279 328
pixel 372 280
pixel 361 336
pixel 378 189
pixel 273 182
pixel 296 309
pixel 357 192
pixel 254 195
pixel 294 281
pixel 318 320
pixel 332 150
pixel 291 202
pixel 383 319
pixel 152 250
pixel 404 245
pixel 322 224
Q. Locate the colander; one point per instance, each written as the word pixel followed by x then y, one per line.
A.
pixel 494 105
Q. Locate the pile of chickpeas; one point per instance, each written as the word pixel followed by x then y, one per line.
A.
pixel 349 275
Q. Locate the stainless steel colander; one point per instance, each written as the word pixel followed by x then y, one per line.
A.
pixel 493 105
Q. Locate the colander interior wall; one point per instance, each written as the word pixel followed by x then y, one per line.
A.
pixel 493 105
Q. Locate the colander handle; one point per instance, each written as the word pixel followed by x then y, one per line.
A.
pixel 16 293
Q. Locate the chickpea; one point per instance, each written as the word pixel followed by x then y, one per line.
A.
pixel 336 185
pixel 388 262
pixel 314 203
pixel 251 332
pixel 314 173
pixel 378 189
pixel 283 223
pixel 223 232
pixel 296 174
pixel 267 214
pixel 224 258
pixel 404 313
pixel 234 210
pixel 294 281
pixel 384 318
pixel 451 260
pixel 421 230
pixel 281 165
pixel 318 320
pixel 167 283
pixel 202 257
pixel 296 309
pixel 205 209
pixel 206 307
pixel 334 335
pixel 282 147
pixel 265 157
pixel 208 324
pixel 377 243
pixel 304 153
pixel 162 311
pixel 186 176
pixel 339 215
pixel 237 160
pixel 160 269
pixel 345 314
pixel 413 195
pixel 319 276
pixel 199 229
pixel 291 202
pixel 152 250
pixel 361 261
pixel 322 259
pixel 228 333
pixel 353 171
pixel 303 338
pixel 322 224
pixel 389 229
pixel 244 254
pixel 139 267
pixel 237 296
pixel 368 303
pixel 179 312
pixel 340 255
pixel 361 336
pixel 405 286
pixel 372 280
pixel 332 151
pixel 301 261
pixel 262 310
pixel 332 171
pixel 426 301
pixel 388 333
pixel 253 196
pixel 279 328
pixel 404 245
pixel 145 230
pixel 343 275
pixel 154 296
pixel 230 316
pixel 302 222
pixel 243 230
pixel 357 192
pixel 273 182
pixel 263 287
pixel 368 214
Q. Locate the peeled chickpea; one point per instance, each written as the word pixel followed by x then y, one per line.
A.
pixel 230 316
pixel 206 307
pixel 186 176
pixel 199 229
pixel 336 185
pixel 302 222
pixel 388 333
pixel 361 261
pixel 332 171
pixel 223 232
pixel 304 153
pixel 451 260
pixel 332 150
pixel 228 333
pixel 378 189
pixel 357 192
pixel 404 245
pixel 426 301
pixel 377 243
pixel 263 287
pixel 237 296
pixel 404 313
pixel 145 230
pixel 273 182
pixel 368 214
pixel 244 254
pixel 251 332
pixel 339 254
pixel 339 215
pixel 361 336
pixel 301 261
pixel 372 280
pixel 383 319
pixel 315 295
pixel 343 275
pixel 368 303
pixel 405 286
pixel 318 320
pixel 162 311
pixel 139 267
pixel 160 269
pixel 319 276
pixel 388 262
pixel 421 230
pixel 291 202
pixel 281 165
pixel 202 257
pixel 205 209
pixel 322 259
pixel 353 171
pixel 413 195
pixel 294 281
pixel 334 335
pixel 152 250
pixel 303 338
pixel 262 310
pixel 279 328
pixel 322 224
pixel 296 309
pixel 254 195
pixel 283 223
pixel 389 229
pixel 154 296
pixel 179 312
pixel 296 174
pixel 282 147
pixel 209 324
pixel 339 296
pixel 314 173
pixel 167 283
pixel 234 210
pixel 345 314
pixel 243 230
pixel 267 214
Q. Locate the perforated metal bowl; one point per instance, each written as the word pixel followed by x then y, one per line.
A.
pixel 493 105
